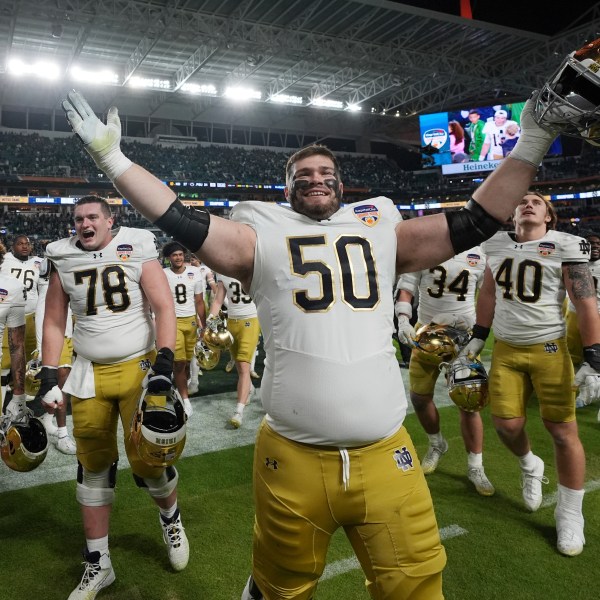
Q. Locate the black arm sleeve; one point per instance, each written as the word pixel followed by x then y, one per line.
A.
pixel 470 226
pixel 188 225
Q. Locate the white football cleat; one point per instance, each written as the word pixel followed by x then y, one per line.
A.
pixel 569 531
pixel 176 541
pixel 432 458
pixel 236 420
pixel 66 445
pixel 479 479
pixel 531 482
pixel 97 575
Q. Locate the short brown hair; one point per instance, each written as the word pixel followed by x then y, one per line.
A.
pixel 312 150
pixel 92 199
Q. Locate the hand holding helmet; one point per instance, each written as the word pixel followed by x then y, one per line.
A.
pixel 160 377
pixel 406 332
pixel 452 320
pixel 476 343
pixel 49 392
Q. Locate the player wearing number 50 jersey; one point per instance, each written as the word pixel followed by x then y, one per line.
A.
pixel 113 282
pixel 527 275
pixel 242 322
pixel 322 277
pixel 187 284
pixel 446 295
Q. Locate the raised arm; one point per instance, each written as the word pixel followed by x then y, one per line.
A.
pixel 225 246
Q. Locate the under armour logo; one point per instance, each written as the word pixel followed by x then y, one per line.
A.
pixel 403 458
pixel 97 254
pixel 518 246
pixel 271 464
pixel 550 347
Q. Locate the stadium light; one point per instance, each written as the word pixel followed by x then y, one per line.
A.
pixel 241 94
pixel 147 82
pixel 286 99
pixel 42 69
pixel 206 89
pixel 353 107
pixel 326 103
pixel 103 76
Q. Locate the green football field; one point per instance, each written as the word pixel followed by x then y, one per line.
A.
pixel 496 549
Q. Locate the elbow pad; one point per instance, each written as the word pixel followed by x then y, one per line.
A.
pixel 470 226
pixel 187 225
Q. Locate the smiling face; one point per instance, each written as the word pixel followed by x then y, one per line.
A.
pixel 313 187
pixel 92 226
pixel 594 241
pixel 177 259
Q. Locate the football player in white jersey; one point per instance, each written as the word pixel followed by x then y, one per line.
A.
pixel 26 268
pixel 113 282
pixel 13 297
pixel 573 336
pixel 187 285
pixel 242 322
pixel 322 277
pixel 58 433
pixel 495 136
pixel 522 296
pixel 447 297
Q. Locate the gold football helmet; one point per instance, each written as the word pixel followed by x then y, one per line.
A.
pixel 158 428
pixel 216 335
pixel 571 97
pixel 467 383
pixel 439 343
pixel 32 385
pixel 23 445
pixel 206 357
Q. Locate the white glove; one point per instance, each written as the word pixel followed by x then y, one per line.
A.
pixel 213 322
pixel 102 142
pixel 456 321
pixel 16 409
pixel 587 379
pixel 473 348
pixel 52 400
pixel 534 140
pixel 406 332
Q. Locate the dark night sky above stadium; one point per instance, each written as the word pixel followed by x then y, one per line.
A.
pixel 540 16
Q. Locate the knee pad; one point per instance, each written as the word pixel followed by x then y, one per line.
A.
pixel 163 486
pixel 96 489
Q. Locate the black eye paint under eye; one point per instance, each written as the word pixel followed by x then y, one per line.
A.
pixel 303 184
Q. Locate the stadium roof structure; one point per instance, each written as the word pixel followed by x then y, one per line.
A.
pixel 391 59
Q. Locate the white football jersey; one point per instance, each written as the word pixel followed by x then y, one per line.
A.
pixel 27 272
pixel 529 284
pixel 184 287
pixel 324 294
pixel 495 135
pixel 447 288
pixel 112 314
pixel 595 271
pixel 40 310
pixel 239 304
pixel 13 297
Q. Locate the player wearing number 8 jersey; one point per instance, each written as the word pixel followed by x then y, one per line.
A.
pixel 187 284
pixel 113 283
pixel 527 275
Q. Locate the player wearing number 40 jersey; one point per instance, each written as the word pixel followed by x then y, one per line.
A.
pixel 113 282
pixel 446 295
pixel 187 284
pixel 527 275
